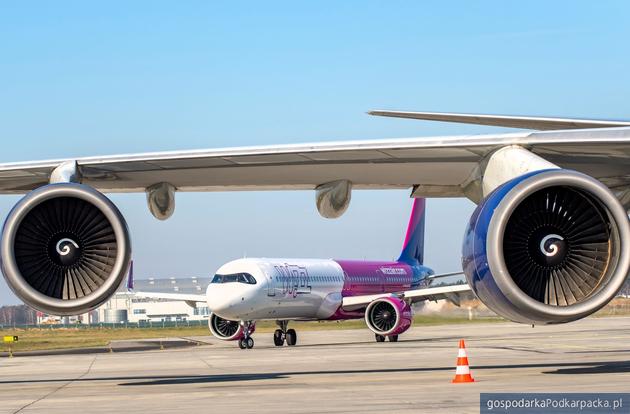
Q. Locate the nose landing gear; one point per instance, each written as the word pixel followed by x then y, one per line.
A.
pixel 246 342
pixel 283 334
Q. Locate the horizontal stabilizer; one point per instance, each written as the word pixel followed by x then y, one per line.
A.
pixel 524 122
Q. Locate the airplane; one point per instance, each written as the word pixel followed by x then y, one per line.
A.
pixel 548 243
pixel 247 290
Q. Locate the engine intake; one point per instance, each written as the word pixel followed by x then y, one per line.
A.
pixel 65 249
pixel 225 329
pixel 547 247
pixel 388 316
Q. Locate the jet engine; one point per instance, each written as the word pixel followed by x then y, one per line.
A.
pixel 227 330
pixel 65 249
pixel 547 247
pixel 388 316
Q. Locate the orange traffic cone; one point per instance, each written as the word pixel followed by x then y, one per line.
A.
pixel 462 372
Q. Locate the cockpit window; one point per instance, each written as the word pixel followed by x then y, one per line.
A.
pixel 235 277
pixel 230 278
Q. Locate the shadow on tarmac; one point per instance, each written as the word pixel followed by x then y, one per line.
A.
pixel 572 368
pixel 613 367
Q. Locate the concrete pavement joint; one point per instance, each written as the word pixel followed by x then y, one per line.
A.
pixel 58 388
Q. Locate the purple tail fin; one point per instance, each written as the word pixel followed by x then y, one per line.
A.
pixel 413 248
pixel 130 277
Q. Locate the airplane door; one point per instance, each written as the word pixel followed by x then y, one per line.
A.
pixel 271 290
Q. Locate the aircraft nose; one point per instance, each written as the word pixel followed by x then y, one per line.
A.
pixel 229 301
pixel 220 299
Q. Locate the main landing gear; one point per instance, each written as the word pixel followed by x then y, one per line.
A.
pixel 246 342
pixel 381 338
pixel 283 334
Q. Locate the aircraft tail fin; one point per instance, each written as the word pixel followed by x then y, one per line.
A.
pixel 413 247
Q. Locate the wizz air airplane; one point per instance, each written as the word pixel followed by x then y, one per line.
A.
pixel 248 290
pixel 548 243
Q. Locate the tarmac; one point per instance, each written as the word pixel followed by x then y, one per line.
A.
pixel 328 371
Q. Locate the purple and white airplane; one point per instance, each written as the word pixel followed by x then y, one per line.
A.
pixel 247 290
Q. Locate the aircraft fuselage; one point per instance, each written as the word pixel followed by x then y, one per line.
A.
pixel 305 289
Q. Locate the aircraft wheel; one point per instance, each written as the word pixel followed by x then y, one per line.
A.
pixel 291 337
pixel 249 343
pixel 242 343
pixel 393 338
pixel 278 338
pixel 379 338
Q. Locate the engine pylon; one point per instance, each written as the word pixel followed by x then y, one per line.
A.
pixel 462 372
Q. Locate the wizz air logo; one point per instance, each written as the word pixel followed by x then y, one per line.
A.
pixel 293 279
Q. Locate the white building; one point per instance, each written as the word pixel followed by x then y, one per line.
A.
pixel 125 307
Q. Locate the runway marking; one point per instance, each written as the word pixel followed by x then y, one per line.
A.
pixel 58 388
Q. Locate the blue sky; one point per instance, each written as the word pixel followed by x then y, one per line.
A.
pixel 81 78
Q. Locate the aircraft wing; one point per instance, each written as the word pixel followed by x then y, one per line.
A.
pixel 188 298
pixel 433 166
pixel 451 293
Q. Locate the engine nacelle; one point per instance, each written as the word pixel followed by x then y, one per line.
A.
pixel 333 198
pixel 65 249
pixel 227 330
pixel 388 316
pixel 547 247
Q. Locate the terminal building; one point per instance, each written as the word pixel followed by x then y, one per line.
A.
pixel 125 307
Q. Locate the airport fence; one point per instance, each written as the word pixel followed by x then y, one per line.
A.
pixel 103 325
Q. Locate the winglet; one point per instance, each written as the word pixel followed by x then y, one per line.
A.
pixel 523 122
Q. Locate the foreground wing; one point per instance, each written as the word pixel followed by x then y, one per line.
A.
pixel 437 166
pixel 451 293
pixel 524 122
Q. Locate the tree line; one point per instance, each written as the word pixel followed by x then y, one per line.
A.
pixel 17 315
